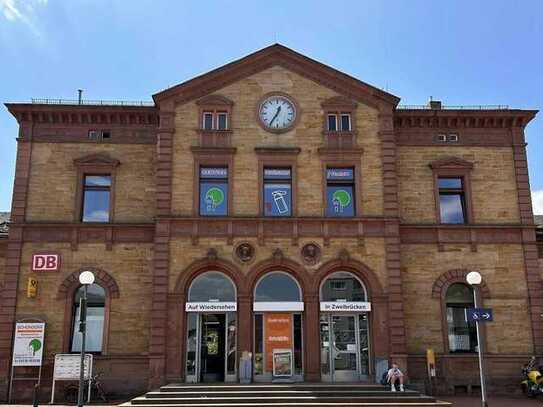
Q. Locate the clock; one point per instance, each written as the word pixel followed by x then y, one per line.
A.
pixel 277 113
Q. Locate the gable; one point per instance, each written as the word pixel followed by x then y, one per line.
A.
pixel 277 55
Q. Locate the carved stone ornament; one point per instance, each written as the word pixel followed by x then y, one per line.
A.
pixel 311 253
pixel 212 254
pixel 344 256
pixel 244 252
pixel 278 255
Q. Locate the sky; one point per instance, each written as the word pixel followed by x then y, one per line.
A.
pixel 461 52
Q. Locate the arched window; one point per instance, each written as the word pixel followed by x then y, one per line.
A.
pixel 212 286
pixel 462 334
pixel 277 287
pixel 343 286
pixel 96 301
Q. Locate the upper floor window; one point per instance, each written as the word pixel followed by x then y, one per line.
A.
pixel 452 200
pixel 214 120
pixel 340 192
pixel 96 300
pixel 96 198
pixel 213 191
pixel 339 122
pixel 462 334
pixel 277 192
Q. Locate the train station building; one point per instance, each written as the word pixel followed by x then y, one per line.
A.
pixel 278 209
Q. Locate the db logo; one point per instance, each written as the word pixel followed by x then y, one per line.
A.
pixel 45 262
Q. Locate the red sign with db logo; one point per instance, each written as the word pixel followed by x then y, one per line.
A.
pixel 46 262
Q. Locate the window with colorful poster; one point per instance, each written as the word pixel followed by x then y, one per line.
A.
pixel 340 198
pixel 213 191
pixel 277 192
pixel 278 337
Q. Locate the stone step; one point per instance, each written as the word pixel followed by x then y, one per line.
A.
pixel 281 399
pixel 264 387
pixel 420 403
pixel 293 393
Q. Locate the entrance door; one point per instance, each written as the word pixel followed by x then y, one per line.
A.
pixel 212 349
pixel 343 347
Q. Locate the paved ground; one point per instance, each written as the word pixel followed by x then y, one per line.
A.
pixel 493 402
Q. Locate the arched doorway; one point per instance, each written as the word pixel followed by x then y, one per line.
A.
pixel 278 328
pixel 344 328
pixel 211 329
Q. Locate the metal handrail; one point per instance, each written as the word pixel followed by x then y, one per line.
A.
pixel 460 107
pixel 48 101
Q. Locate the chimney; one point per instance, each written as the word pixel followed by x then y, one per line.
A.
pixel 80 97
pixel 434 104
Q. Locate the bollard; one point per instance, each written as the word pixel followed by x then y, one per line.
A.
pixel 35 400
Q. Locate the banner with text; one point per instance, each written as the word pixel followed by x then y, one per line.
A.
pixel 28 343
pixel 278 331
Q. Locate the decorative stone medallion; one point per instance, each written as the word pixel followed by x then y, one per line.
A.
pixel 244 252
pixel 311 253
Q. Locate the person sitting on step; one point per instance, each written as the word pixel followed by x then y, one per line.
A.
pixel 395 375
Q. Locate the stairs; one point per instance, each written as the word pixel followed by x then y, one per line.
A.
pixel 281 395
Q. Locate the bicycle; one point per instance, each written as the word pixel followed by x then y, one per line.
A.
pixel 71 392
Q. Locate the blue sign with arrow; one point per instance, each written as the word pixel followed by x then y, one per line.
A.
pixel 479 314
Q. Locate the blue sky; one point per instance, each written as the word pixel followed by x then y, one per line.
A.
pixel 460 52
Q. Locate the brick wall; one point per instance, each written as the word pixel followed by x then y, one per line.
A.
pixel 247 135
pixel 493 183
pixel 53 181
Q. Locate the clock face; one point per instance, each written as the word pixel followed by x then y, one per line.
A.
pixel 277 113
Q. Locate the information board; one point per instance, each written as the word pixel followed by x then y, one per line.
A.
pixel 67 366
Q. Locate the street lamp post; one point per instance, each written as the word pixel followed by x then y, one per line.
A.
pixel 474 279
pixel 86 278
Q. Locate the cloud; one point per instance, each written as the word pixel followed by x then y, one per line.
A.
pixel 21 11
pixel 537 202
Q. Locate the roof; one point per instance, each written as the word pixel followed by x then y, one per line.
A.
pixel 4 223
pixel 265 58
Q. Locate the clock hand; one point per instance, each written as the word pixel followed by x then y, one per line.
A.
pixel 275 115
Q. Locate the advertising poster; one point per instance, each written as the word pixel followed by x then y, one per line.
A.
pixel 282 362
pixel 277 199
pixel 278 335
pixel 28 343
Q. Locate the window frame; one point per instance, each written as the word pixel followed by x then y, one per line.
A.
pixel 352 183
pixel 282 157
pixel 72 321
pixel 266 181
pixel 86 188
pixel 453 167
pixel 453 192
pixel 69 313
pixel 94 165
pixel 218 181
pixel 445 307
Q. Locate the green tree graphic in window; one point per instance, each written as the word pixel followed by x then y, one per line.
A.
pixel 341 199
pixel 214 197
pixel 34 345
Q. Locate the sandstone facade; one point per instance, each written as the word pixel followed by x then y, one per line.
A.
pixel 156 242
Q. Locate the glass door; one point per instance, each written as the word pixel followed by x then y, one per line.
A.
pixel 211 347
pixel 344 350
pixel 344 347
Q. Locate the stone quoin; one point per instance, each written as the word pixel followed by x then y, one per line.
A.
pixel 277 206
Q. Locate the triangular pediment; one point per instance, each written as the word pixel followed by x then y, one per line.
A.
pixel 451 162
pixel 277 55
pixel 97 159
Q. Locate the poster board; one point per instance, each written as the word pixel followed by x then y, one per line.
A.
pixel 28 344
pixel 27 351
pixel 282 362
